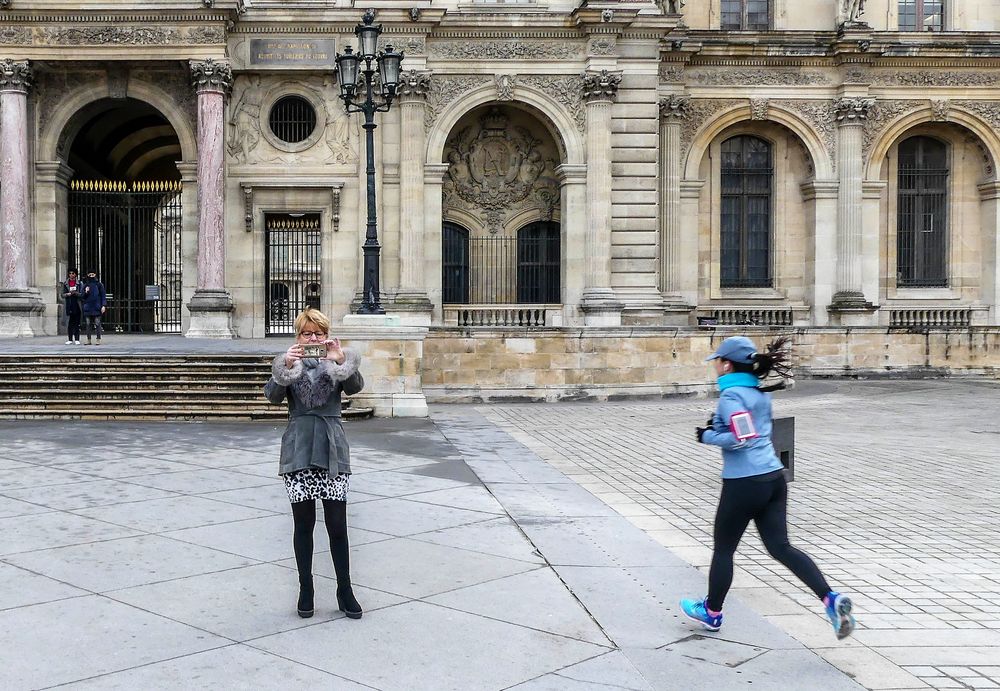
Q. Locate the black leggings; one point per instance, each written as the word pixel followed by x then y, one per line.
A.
pixel 335 515
pixel 763 501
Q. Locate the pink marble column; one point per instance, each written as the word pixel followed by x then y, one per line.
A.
pixel 213 81
pixel 15 79
pixel 211 306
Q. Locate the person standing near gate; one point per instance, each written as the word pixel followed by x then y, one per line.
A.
pixel 315 460
pixel 753 481
pixel 95 303
pixel 71 290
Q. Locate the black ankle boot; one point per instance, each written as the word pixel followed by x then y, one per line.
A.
pixel 347 603
pixel 305 606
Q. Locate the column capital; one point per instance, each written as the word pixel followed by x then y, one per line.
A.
pixel 211 75
pixel 674 108
pixel 15 75
pixel 601 86
pixel 414 85
pixel 853 110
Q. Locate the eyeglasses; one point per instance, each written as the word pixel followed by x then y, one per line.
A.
pixel 312 334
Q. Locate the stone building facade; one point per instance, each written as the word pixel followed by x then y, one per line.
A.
pixel 810 164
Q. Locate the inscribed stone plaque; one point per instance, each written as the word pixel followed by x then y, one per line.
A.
pixel 293 52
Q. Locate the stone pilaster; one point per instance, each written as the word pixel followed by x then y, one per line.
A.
pixel 211 306
pixel 411 301
pixel 20 304
pixel 599 304
pixel 673 112
pixel 989 196
pixel 849 306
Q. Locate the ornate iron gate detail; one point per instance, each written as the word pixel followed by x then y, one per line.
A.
pixel 292 267
pixel 130 235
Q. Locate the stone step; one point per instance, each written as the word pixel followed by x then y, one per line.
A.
pixel 177 396
pixel 112 412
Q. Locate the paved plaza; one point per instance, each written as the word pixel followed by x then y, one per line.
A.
pixel 511 546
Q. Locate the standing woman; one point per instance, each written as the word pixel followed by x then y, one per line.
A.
pixel 753 482
pixel 315 458
pixel 95 303
pixel 71 293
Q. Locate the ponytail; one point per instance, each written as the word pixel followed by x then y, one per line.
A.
pixel 775 360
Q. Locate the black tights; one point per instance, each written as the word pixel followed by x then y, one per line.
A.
pixel 335 515
pixel 763 502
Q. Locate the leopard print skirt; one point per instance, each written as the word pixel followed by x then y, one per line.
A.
pixel 315 483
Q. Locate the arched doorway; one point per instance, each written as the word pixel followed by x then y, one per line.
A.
pixel 124 212
pixel 501 203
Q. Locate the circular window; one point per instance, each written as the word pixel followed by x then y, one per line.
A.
pixel 292 119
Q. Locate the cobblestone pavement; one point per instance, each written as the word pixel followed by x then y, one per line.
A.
pixel 896 495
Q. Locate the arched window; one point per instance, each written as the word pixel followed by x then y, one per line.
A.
pixel 746 15
pixel 922 213
pixel 747 184
pixel 454 264
pixel 538 263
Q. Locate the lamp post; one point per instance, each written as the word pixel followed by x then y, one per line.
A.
pixel 358 90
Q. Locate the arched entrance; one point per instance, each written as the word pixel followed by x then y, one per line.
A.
pixel 501 206
pixel 124 212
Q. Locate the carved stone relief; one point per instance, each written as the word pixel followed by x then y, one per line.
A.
pixel 505 50
pixel 936 78
pixel 15 35
pixel 699 112
pixel 758 108
pixel 601 86
pixel 505 87
pixel 444 90
pixel 247 143
pixel 601 45
pixel 497 168
pixel 413 84
pixel 820 115
pixel 880 115
pixel 566 90
pixel 674 107
pixel 940 109
pixel 754 76
pixel 671 72
pixel 115 35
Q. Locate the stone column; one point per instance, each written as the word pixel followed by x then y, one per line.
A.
pixel 820 197
pixel 599 304
pixel 19 303
pixel 411 300
pixel 211 305
pixel 849 305
pixel 989 196
pixel 673 112
pixel 573 197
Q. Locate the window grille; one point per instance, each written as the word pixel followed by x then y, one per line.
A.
pixel 922 213
pixel 292 119
pixel 747 183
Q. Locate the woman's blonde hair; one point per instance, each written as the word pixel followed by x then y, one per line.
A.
pixel 311 316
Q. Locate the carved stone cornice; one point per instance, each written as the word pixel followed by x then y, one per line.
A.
pixel 15 75
pixel 674 108
pixel 853 110
pixel 600 86
pixel 413 85
pixel 211 75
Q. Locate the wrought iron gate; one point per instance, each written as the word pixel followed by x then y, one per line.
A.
pixel 130 235
pixel 292 263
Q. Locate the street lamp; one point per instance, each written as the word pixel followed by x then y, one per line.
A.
pixel 354 77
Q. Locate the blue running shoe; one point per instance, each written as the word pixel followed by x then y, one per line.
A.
pixel 839 613
pixel 697 610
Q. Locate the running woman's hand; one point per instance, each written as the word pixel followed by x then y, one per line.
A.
pixel 700 432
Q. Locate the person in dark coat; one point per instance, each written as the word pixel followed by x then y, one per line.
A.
pixel 71 291
pixel 315 460
pixel 95 303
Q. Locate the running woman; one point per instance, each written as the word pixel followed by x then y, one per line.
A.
pixel 753 483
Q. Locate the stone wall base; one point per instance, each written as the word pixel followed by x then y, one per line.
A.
pixel 20 312
pixel 653 362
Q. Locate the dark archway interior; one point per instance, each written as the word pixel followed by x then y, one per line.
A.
pixel 124 140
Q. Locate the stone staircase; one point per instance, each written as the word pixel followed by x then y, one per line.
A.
pixel 140 387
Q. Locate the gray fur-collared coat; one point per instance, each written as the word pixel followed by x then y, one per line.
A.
pixel 315 436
